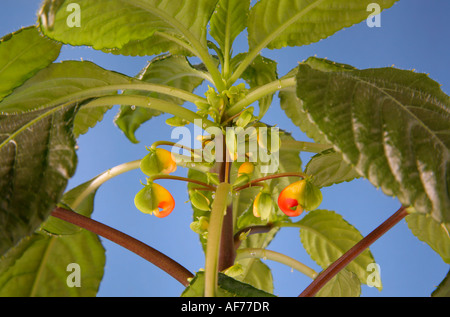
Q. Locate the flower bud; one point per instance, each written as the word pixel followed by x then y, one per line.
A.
pixel 200 226
pixel 154 199
pixel 263 205
pixel 246 168
pixel 199 201
pixel 245 117
pixel 158 161
pixel 299 196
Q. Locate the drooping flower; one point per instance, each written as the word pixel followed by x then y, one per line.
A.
pixel 299 196
pixel 154 199
pixel 158 161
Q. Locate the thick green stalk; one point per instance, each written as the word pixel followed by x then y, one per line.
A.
pixel 277 257
pixel 259 93
pixel 218 210
pixel 198 47
pixel 155 104
pixel 103 178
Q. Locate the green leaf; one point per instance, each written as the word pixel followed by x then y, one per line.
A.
pixel 71 201
pixel 326 236
pixel 228 21
pixel 58 82
pixel 136 27
pixel 259 276
pixel 391 124
pixel 36 162
pixel 443 290
pixel 279 23
pixel 22 54
pixel 260 72
pixel 435 234
pixel 228 287
pixel 343 284
pixel 328 168
pixel 170 70
pixel 38 266
pixel 293 106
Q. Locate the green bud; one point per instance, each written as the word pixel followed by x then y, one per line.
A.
pixel 241 180
pixel 176 122
pixel 245 117
pixel 311 197
pixel 213 178
pixel 200 226
pixel 199 201
pixel 263 206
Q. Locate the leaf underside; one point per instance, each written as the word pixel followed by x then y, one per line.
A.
pixel 391 125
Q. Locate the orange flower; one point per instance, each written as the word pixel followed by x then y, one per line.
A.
pixel 299 196
pixel 154 199
pixel 158 161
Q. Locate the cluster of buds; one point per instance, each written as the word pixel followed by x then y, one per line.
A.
pixel 218 102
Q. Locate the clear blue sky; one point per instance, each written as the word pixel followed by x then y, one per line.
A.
pixel 413 35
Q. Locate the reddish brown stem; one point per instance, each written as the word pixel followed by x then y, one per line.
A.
pixel 351 254
pixel 159 259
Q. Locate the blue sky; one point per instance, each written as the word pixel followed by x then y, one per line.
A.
pixel 413 35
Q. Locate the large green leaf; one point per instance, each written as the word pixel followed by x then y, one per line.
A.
pixel 39 266
pixel 326 236
pixel 135 27
pixel 228 21
pixel 343 284
pixel 22 54
pixel 261 71
pixel 392 125
pixel 228 287
pixel 55 85
pixel 443 290
pixel 328 168
pixel 170 70
pixel 435 234
pixel 37 158
pixel 280 23
pixel 293 106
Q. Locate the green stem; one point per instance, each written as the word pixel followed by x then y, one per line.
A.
pixel 254 52
pixel 214 236
pixel 291 145
pixel 261 92
pixel 277 257
pixel 73 98
pixel 194 152
pixel 198 47
pixel 183 179
pixel 152 103
pixel 104 177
